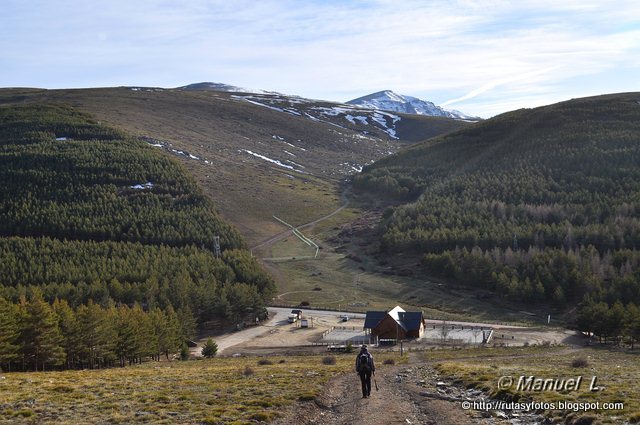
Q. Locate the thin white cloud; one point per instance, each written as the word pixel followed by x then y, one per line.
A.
pixel 493 84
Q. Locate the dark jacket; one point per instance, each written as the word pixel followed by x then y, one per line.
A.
pixel 372 366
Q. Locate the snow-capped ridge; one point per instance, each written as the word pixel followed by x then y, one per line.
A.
pixel 387 100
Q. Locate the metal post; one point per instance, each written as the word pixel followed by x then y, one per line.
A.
pixel 216 246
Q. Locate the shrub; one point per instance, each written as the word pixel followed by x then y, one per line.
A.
pixel 248 371
pixel 63 389
pixel 579 362
pixel 282 361
pixel 307 397
pixel 389 361
pixel 262 416
pixel 184 352
pixel 328 360
pixel 263 362
pixel 587 419
pixel 25 413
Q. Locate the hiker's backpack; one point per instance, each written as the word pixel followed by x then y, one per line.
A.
pixel 365 363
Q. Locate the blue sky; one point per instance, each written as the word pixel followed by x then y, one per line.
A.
pixel 481 57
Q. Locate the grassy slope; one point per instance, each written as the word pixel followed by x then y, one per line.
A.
pixel 215 126
pixel 207 391
pixel 616 374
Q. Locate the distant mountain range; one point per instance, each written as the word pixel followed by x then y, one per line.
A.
pixel 375 121
pixel 387 100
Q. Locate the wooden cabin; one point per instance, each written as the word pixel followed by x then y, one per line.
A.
pixel 395 324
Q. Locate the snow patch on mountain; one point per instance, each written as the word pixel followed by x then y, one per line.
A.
pixel 274 161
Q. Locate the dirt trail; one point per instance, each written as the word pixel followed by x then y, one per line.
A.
pixel 397 402
pixel 408 394
pixel 277 237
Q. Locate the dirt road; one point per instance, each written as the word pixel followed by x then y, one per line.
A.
pixel 277 317
pixel 276 332
pixel 275 238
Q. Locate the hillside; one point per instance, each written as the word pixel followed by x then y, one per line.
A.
pixel 539 205
pixel 257 155
pixel 93 217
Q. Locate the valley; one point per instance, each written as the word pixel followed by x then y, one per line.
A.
pixel 236 212
pixel 263 155
pixel 232 144
pixel 280 170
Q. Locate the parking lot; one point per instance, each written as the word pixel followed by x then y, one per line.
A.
pixel 345 333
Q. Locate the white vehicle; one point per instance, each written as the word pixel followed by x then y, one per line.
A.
pixel 345 318
pixel 292 318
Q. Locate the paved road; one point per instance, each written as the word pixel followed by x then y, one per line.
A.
pixel 318 313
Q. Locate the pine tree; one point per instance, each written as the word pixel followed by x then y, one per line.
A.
pixel 171 339
pixel 96 335
pixel 9 332
pixel 210 348
pixel 187 323
pixel 69 328
pixel 184 352
pixel 41 337
pixel 632 324
pixel 127 341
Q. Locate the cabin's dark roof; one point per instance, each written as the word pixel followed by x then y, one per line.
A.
pixel 373 318
pixel 410 320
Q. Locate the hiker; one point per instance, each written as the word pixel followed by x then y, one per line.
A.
pixel 365 368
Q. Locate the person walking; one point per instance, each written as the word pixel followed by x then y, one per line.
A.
pixel 365 367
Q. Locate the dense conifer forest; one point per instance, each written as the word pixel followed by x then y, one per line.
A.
pixel 540 206
pixel 100 234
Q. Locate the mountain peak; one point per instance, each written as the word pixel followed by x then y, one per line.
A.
pixel 388 100
pixel 223 87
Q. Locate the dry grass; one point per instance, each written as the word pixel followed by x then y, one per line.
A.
pixel 617 373
pixel 195 392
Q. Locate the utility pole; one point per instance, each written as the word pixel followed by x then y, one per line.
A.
pixel 216 246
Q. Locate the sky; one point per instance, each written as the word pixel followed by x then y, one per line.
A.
pixel 479 57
